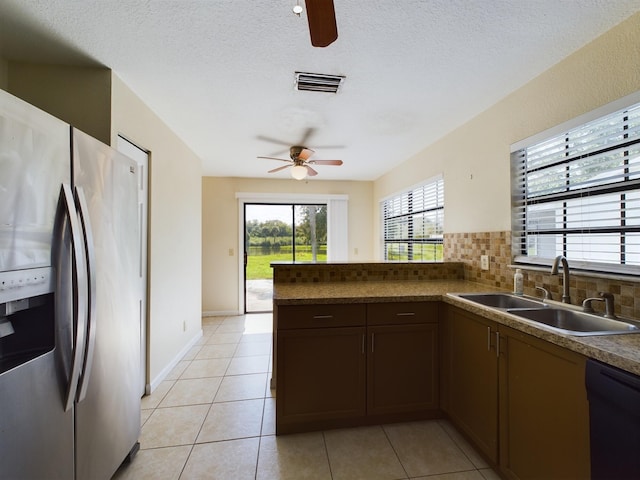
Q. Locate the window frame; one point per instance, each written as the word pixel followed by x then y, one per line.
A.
pixel 520 207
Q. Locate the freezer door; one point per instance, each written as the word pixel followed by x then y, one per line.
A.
pixel 34 161
pixel 108 403
pixel 36 434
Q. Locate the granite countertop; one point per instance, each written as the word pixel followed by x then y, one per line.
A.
pixel 622 351
pixel 370 291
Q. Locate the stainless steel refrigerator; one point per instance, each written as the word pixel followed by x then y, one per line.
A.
pixel 69 323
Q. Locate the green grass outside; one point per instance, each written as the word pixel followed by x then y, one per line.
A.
pixel 422 253
pixel 259 266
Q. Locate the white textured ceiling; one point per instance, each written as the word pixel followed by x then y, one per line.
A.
pixel 220 73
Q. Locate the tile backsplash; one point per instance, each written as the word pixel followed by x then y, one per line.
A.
pixel 462 252
pixel 363 272
pixel 468 247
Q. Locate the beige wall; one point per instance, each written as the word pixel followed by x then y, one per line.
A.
pixel 81 96
pixel 474 158
pixel 175 234
pixel 220 229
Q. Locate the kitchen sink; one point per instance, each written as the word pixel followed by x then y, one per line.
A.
pixel 501 300
pixel 576 323
pixel 553 315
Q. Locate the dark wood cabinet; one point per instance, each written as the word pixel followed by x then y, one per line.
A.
pixel 544 418
pixel 472 378
pixel 340 365
pixel 321 376
pixel 320 366
pixel 402 357
pixel 541 428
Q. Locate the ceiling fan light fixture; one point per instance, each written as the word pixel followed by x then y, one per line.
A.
pixel 298 172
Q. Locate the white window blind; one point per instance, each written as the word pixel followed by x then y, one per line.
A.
pixel 338 229
pixel 578 194
pixel 413 223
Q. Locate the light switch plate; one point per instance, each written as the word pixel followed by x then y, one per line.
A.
pixel 484 262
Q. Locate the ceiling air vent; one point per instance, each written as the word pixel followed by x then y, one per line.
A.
pixel 318 82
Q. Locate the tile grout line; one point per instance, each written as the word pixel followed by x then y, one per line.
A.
pixel 186 461
pixel 193 445
pixel 475 467
pixel 384 430
pixel 326 450
pixel 263 397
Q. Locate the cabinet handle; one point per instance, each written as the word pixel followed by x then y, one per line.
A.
pixel 373 336
pixel 488 339
pixel 363 342
pixel 405 314
pixel 497 344
pixel 321 317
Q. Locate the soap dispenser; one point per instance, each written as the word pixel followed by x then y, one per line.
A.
pixel 518 282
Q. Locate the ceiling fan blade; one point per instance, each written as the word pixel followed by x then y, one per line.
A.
pixel 328 147
pixel 278 169
pixel 322 22
pixel 306 136
pixel 279 159
pixel 310 171
pixel 326 162
pixel 305 153
pixel 272 140
pixel 279 152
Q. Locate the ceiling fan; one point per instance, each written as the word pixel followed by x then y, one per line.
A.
pixel 321 16
pixel 304 140
pixel 300 163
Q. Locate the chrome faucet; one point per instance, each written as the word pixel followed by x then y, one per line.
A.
pixel 546 294
pixel 566 298
pixel 607 298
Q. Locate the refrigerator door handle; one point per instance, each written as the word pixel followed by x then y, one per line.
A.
pixel 91 292
pixel 67 212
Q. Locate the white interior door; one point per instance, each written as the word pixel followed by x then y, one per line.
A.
pixel 141 157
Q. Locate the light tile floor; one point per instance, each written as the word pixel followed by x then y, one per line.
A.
pixel 214 418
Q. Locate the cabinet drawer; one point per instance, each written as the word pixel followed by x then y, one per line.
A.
pixel 321 316
pixel 402 313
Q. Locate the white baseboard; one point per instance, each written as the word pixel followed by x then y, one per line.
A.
pixel 221 313
pixel 150 387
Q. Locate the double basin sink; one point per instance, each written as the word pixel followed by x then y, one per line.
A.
pixel 557 317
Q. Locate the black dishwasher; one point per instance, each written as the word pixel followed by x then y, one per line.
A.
pixel 614 412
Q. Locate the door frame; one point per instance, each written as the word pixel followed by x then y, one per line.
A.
pixel 337 225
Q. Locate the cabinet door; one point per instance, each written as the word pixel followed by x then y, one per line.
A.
pixel 473 378
pixel 544 419
pixel 321 376
pixel 402 368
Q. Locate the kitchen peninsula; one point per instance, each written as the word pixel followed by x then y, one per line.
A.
pixel 337 283
pixel 365 343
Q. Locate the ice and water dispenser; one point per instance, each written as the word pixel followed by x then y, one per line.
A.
pixel 27 325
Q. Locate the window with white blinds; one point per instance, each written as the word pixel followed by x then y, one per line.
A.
pixel 413 223
pixel 578 195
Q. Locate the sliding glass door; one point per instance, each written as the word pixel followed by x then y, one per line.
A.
pixel 279 233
